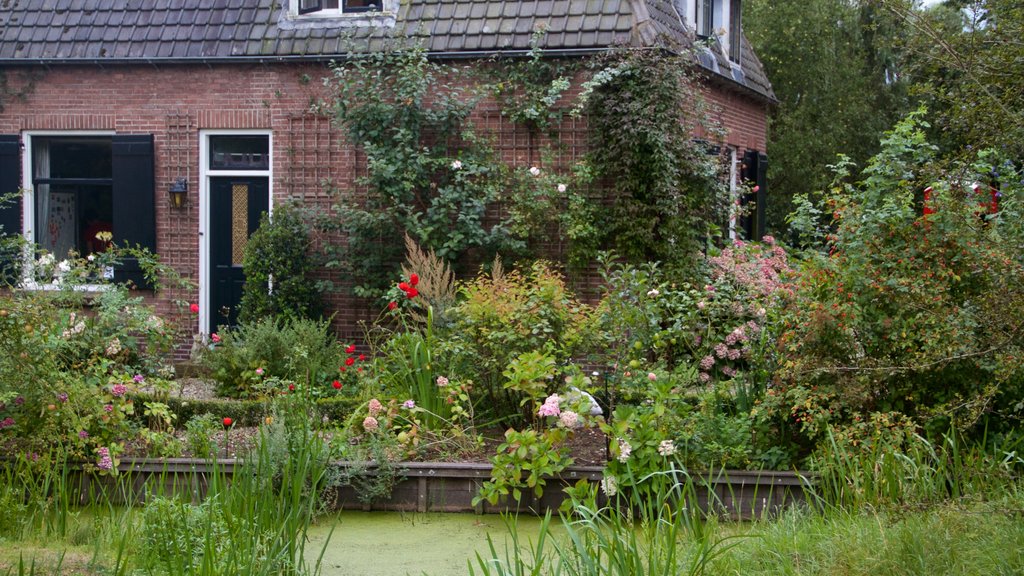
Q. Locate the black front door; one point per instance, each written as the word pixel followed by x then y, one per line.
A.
pixel 235 207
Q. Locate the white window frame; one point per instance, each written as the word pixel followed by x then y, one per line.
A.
pixel 734 197
pixel 389 7
pixel 205 174
pixel 28 203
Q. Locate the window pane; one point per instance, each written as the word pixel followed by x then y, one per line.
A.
pixel 239 153
pixel 73 193
pixel 362 5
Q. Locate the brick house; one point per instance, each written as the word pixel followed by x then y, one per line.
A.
pixel 109 106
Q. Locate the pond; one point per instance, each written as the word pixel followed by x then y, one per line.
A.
pixel 396 544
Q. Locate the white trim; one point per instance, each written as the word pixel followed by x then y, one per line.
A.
pixel 28 203
pixel 205 173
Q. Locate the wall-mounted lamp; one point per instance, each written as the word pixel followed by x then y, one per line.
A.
pixel 179 192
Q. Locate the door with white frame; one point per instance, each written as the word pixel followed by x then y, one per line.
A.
pixel 235 192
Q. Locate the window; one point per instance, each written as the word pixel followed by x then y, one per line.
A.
pixel 77 186
pixel 705 17
pixel 735 30
pixel 331 7
pixel 73 201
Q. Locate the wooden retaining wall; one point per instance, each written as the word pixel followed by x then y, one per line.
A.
pixel 446 487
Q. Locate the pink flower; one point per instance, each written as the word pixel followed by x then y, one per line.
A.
pixel 409 404
pixel 194 308
pixel 6 423
pixel 375 407
pixel 734 354
pixel 118 390
pixel 138 378
pixel 370 424
pixel 259 371
pixel 707 362
pixel 704 377
pixel 442 381
pixel 104 462
pixel 215 338
pixel 108 408
pixel 83 434
pixel 550 407
pixel 652 376
pixel 721 350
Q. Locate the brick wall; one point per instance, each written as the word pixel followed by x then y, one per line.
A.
pixel 174 103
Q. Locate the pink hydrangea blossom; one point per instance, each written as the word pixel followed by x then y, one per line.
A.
pixel 118 390
pixel 375 407
pixel 370 424
pixel 707 362
pixel 721 350
pixel 550 407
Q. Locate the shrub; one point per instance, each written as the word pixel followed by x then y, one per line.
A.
pixel 913 308
pixel 263 358
pixel 506 314
pixel 278 269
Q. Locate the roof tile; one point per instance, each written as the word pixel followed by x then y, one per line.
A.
pixel 226 29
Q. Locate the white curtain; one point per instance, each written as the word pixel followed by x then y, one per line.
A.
pixel 41 156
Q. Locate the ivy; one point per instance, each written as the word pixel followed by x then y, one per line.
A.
pixel 642 108
pixel 429 174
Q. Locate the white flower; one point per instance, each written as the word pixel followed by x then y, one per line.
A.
pixel 64 267
pixel 561 187
pixel 534 170
pixel 46 260
pixel 456 165
pixel 653 293
pixel 624 450
pixel 609 485
pixel 442 381
pixel 666 448
pixel 570 419
pixel 90 257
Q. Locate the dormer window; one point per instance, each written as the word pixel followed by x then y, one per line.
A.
pixel 706 17
pixel 333 7
pixel 721 19
pixel 735 30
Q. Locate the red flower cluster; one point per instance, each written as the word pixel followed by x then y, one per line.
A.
pixel 410 287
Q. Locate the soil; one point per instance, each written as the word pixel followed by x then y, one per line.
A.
pixel 587 447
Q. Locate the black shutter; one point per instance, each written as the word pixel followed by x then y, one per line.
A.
pixel 748 175
pixel 134 201
pixel 762 195
pixel 10 212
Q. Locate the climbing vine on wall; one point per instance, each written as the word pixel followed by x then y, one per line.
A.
pixel 642 108
pixel 430 174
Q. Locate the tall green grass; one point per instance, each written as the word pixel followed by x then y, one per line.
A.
pixel 252 520
pixel 639 533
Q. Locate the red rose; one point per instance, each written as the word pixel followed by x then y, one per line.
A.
pixel 291 387
pixel 404 286
pixel 414 279
pixel 336 384
pixel 350 361
pixel 392 305
pixel 215 337
pixel 343 368
pixel 362 357
pixel 351 348
pixel 194 308
pixel 228 422
pixel 412 293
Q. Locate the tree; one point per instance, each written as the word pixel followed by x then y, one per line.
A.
pixel 966 60
pixel 832 64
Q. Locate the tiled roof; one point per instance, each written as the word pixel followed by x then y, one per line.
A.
pixel 105 31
